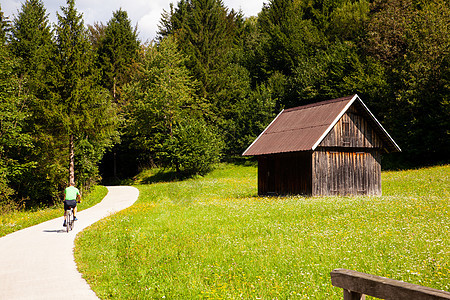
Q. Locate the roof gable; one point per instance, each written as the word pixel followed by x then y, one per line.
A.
pixel 303 128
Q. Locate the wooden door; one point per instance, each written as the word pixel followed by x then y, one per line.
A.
pixel 348 173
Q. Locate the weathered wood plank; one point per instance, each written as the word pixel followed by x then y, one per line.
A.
pixel 344 172
pixel 384 288
pixel 352 131
pixel 326 171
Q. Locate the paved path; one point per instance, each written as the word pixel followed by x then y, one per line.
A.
pixel 37 262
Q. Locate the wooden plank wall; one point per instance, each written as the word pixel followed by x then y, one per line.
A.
pixel 343 172
pixel 347 162
pixel 352 131
pixel 285 174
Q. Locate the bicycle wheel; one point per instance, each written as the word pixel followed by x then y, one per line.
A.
pixel 68 213
pixel 72 219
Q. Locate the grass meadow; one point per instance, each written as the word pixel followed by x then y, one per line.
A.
pixel 13 219
pixel 212 238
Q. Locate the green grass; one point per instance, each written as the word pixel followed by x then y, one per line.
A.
pixel 14 220
pixel 212 238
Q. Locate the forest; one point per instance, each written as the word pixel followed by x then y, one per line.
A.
pixel 81 102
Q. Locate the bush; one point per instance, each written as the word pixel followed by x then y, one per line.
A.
pixel 193 148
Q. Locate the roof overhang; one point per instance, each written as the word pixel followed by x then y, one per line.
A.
pixel 259 136
pixel 321 118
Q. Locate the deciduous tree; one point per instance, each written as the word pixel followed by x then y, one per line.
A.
pixel 13 139
pixel 410 41
pixel 165 113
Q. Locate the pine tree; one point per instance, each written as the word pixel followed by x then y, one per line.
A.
pixel 31 38
pixel 83 108
pixel 206 32
pixel 116 52
pixel 31 42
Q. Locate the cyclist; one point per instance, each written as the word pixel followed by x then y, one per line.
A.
pixel 71 197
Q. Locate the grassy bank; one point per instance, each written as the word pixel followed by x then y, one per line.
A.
pixel 18 219
pixel 211 237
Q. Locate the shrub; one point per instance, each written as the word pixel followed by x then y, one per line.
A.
pixel 193 148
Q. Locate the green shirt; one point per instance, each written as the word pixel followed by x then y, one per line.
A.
pixel 72 193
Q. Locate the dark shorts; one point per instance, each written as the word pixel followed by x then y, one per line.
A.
pixel 69 203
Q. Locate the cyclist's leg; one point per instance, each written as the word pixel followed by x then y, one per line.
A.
pixel 71 204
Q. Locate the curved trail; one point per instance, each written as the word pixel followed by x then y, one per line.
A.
pixel 38 263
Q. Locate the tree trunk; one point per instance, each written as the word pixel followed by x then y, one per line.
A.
pixel 71 161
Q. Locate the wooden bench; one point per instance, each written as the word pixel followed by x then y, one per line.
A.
pixel 356 285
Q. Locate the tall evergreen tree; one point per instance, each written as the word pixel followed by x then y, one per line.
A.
pixel 31 39
pixel 116 52
pixel 31 42
pixel 117 47
pixel 83 108
pixel 206 32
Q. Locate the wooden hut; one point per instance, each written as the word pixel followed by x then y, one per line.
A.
pixel 327 148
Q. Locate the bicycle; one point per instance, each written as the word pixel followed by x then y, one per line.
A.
pixel 70 219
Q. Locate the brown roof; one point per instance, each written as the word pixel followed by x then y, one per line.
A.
pixel 303 128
